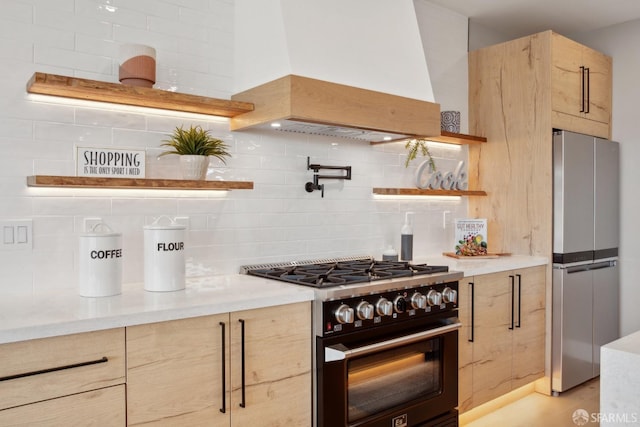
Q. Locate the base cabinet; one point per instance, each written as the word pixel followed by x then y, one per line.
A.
pixel 99 408
pixel 238 369
pixel 502 341
pixel 71 380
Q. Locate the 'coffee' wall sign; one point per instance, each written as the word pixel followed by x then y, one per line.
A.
pixel 110 162
pixel 456 180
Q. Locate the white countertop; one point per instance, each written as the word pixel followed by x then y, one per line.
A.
pixel 474 266
pixel 619 381
pixel 63 312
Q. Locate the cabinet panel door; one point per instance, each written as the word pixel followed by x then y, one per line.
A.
pixel 174 372
pixel 492 349
pixel 465 345
pixel 98 408
pixel 566 76
pixel 529 334
pixel 78 362
pixel 600 85
pixel 277 366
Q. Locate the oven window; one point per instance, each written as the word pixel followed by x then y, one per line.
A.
pixel 394 377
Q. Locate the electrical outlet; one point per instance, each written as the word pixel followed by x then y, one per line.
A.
pixel 16 235
pixel 445 219
pixel 89 223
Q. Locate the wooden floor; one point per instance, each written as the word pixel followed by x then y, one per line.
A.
pixel 546 411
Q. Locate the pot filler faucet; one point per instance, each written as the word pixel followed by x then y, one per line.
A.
pixel 315 185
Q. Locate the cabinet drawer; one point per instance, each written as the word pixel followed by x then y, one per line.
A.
pixel 99 408
pixel 46 368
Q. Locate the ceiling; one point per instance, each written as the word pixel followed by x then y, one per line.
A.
pixel 516 18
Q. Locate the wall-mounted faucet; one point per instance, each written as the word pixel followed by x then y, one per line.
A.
pixel 315 185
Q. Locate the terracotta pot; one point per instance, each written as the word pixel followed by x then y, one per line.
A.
pixel 137 65
pixel 194 166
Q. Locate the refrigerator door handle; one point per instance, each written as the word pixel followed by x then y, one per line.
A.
pixel 590 267
pixel 605 264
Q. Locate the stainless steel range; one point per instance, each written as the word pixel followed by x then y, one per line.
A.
pixel 386 340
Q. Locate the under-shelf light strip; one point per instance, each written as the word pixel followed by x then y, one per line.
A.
pixel 74 102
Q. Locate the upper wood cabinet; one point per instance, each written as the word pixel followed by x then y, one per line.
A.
pixel 517 94
pixel 581 87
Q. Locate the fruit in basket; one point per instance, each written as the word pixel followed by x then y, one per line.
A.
pixel 471 245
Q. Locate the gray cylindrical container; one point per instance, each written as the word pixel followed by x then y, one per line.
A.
pixel 406 239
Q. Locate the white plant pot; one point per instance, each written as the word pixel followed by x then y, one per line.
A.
pixel 194 166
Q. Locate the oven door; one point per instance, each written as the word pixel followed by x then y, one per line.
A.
pixel 404 381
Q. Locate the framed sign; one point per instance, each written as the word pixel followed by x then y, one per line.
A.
pixel 110 162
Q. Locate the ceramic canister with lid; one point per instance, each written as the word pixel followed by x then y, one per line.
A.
pixel 164 261
pixel 100 262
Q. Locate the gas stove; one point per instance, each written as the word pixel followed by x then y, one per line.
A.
pixel 361 293
pixel 342 272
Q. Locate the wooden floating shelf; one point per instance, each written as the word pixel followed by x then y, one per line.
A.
pixel 457 138
pixel 136 183
pixel 421 192
pixel 92 90
pixel 446 137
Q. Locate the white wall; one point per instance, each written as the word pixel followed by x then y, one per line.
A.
pixel 444 39
pixel 620 42
pixel 276 221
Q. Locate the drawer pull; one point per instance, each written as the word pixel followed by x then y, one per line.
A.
pixel 59 368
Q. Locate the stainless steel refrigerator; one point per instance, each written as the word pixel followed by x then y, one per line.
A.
pixel 585 312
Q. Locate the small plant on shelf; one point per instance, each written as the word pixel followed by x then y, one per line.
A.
pixel 194 146
pixel 195 141
pixel 418 146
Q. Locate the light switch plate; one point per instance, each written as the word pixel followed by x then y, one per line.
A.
pixel 17 235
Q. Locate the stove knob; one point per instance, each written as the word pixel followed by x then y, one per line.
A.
pixel 384 307
pixel 400 304
pixel 418 301
pixel 449 295
pixel 365 311
pixel 344 314
pixel 434 298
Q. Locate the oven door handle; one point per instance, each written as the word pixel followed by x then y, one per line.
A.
pixel 340 352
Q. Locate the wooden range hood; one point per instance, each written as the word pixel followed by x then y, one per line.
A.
pixel 311 106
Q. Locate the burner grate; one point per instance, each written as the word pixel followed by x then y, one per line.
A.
pixel 342 271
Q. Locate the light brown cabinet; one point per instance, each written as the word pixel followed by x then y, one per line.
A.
pixel 244 368
pixel 68 380
pixel 502 340
pixel 519 91
pixel 581 85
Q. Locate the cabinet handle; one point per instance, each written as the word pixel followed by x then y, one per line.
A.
pixel 104 359
pixel 473 314
pixel 588 101
pixel 582 87
pixel 224 371
pixel 243 402
pixel 519 276
pixel 513 295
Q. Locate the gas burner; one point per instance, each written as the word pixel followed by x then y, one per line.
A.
pixel 335 273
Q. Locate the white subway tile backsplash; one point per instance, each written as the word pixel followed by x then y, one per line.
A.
pixel 77 60
pixel 111 119
pixel 19 12
pixel 16 50
pixel 276 221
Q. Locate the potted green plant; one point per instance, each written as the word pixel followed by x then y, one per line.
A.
pixel 194 146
